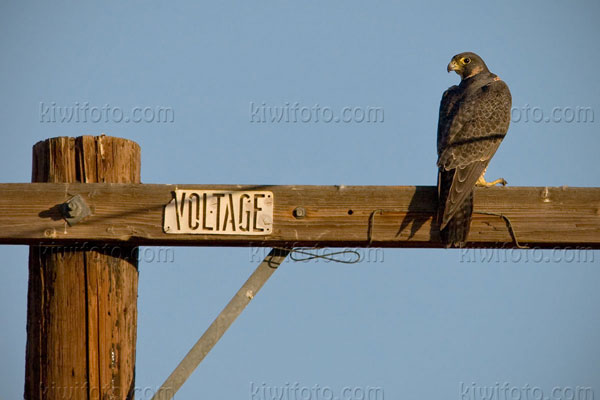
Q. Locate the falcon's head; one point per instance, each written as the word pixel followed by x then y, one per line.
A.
pixel 467 64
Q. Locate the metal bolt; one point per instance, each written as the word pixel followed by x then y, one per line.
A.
pixel 299 212
pixel 74 210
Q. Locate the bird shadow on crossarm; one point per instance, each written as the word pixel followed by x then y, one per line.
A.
pixel 422 208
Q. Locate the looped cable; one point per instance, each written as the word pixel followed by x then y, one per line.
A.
pixel 329 256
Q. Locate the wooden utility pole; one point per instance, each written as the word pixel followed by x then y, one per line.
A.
pixel 82 300
pixel 86 212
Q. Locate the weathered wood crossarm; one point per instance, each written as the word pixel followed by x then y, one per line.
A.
pixel 324 216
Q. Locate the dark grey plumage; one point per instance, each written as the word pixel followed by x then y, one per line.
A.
pixel 474 118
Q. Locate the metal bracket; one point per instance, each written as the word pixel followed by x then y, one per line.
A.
pixel 74 210
pixel 223 321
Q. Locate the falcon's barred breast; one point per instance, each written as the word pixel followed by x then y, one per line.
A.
pixel 474 118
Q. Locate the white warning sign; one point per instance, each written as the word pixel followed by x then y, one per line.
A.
pixel 217 212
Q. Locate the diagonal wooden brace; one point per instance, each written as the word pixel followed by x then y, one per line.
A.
pixel 223 321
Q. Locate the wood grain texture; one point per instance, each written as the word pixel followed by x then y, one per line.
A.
pixel 336 216
pixel 82 303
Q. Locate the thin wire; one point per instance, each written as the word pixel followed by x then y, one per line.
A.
pixel 329 256
pixel 507 220
pixel 509 225
pixel 371 224
pixel 372 220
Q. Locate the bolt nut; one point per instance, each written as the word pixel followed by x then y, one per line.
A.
pixel 74 210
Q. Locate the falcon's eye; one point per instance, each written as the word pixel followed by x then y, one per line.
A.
pixel 466 60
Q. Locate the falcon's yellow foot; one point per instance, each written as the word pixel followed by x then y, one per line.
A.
pixel 481 182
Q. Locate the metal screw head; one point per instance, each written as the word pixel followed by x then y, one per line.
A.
pixel 299 212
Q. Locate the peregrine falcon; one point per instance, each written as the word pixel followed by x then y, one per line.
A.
pixel 474 118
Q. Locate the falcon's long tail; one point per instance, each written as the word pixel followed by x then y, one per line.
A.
pixel 455 233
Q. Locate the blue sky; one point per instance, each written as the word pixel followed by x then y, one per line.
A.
pixel 417 324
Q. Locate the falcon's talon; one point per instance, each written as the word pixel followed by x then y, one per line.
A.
pixel 481 182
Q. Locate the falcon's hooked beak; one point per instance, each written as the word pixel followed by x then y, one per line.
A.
pixel 453 66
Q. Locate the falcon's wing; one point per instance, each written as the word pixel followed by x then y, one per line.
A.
pixel 450 98
pixel 470 130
